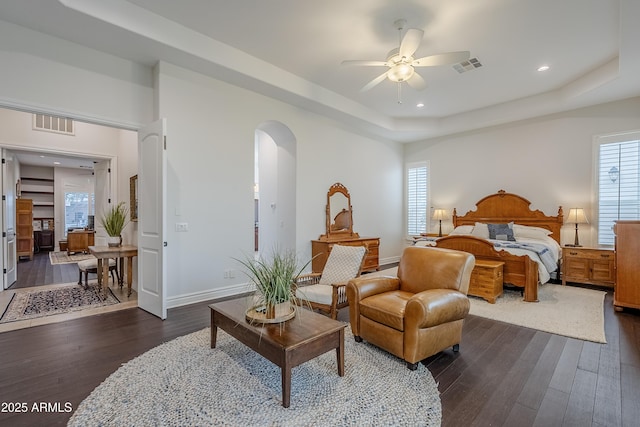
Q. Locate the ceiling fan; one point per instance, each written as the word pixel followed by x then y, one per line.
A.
pixel 401 62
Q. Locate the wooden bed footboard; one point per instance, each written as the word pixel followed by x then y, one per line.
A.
pixel 520 271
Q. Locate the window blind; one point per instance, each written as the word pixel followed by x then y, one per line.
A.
pixel 417 196
pixel 618 185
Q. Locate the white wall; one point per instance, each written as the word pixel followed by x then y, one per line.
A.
pixel 549 161
pixel 211 130
pixel 210 150
pixel 47 74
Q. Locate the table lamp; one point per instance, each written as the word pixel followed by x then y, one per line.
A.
pixel 576 216
pixel 439 214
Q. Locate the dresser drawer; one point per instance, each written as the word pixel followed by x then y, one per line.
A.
pixel 588 254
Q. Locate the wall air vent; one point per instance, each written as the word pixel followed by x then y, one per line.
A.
pixel 54 124
pixel 468 65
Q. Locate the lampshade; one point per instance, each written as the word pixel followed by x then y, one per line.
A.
pixel 439 214
pixel 577 216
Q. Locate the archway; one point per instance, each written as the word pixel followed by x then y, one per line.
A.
pixel 275 192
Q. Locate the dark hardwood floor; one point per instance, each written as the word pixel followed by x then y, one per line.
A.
pixel 39 271
pixel 504 375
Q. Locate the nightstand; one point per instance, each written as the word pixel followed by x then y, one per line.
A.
pixel 486 280
pixel 593 266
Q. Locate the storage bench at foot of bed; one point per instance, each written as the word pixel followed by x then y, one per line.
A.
pixel 486 280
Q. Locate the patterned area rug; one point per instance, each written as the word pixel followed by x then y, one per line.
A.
pixel 63 258
pixel 33 303
pixel 186 383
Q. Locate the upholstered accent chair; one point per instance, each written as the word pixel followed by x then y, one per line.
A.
pixel 420 312
pixel 326 291
pixel 91 266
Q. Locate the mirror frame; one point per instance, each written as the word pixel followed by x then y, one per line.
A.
pixel 335 189
pixel 133 198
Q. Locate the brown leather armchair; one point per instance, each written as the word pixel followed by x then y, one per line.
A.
pixel 420 312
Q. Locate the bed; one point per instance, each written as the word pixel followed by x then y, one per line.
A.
pixel 522 268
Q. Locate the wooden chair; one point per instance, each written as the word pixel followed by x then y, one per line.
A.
pixel 91 266
pixel 326 291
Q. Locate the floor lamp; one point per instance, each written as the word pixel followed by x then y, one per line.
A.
pixel 439 214
pixel 576 216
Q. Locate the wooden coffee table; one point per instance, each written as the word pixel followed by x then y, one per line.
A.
pixel 287 344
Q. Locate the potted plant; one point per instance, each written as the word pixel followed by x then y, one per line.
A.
pixel 114 221
pixel 274 283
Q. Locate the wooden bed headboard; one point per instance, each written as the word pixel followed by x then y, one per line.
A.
pixel 504 207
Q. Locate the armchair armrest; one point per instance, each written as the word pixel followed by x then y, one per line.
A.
pixel 307 279
pixel 435 307
pixel 363 287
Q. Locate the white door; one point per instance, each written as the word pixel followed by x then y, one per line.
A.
pixel 102 173
pixel 151 216
pixel 9 260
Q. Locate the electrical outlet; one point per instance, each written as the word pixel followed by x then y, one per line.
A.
pixel 229 274
pixel 182 227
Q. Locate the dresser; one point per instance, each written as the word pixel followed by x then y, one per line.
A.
pixel 589 265
pixel 321 248
pixel 626 292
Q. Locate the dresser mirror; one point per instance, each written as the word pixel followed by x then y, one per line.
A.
pixel 339 211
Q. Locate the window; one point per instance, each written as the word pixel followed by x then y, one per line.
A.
pixel 417 198
pixel 77 208
pixel 618 178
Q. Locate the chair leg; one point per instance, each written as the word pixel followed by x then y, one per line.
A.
pixel 412 366
pixel 456 348
pixel 113 276
pixel 86 279
pixel 79 277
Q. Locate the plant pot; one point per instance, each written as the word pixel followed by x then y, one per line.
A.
pixel 276 313
pixel 114 241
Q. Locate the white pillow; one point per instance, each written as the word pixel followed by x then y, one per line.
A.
pixel 462 229
pixel 530 232
pixel 480 230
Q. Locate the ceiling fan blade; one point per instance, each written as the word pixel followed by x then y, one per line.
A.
pixel 374 82
pixel 410 42
pixel 417 82
pixel 442 59
pixel 364 62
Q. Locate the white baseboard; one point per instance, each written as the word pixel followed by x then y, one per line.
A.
pixel 389 260
pixel 192 298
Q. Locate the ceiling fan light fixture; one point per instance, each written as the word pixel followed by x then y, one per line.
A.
pixel 400 73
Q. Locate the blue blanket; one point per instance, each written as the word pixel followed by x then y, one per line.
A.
pixel 546 256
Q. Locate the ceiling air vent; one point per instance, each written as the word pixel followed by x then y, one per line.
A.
pixel 54 124
pixel 468 65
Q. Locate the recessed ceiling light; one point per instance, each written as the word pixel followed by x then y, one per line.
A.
pixel 543 68
pixel 56 163
pixel 420 105
pixel 42 157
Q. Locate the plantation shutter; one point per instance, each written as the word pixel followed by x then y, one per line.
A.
pixel 417 195
pixel 618 185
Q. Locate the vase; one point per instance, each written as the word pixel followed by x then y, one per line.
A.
pixel 114 241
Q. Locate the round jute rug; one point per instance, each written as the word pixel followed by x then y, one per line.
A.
pixel 186 383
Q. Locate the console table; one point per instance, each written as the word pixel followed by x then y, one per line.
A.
pixel 120 253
